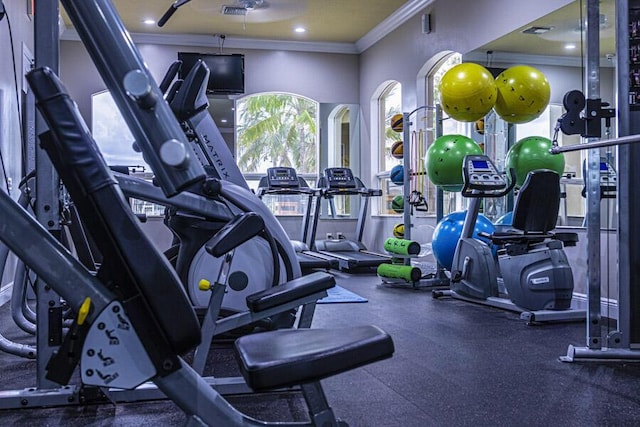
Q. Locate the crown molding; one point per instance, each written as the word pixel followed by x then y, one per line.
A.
pixel 521 58
pixel 198 40
pixel 397 18
pixel 393 21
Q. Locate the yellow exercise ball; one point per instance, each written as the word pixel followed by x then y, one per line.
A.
pixel 467 92
pixel 397 123
pixel 398 231
pixel 479 126
pixel 523 94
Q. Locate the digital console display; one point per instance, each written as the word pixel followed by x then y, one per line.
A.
pixel 480 164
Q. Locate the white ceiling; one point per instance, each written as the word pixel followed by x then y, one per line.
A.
pixel 345 26
pixel 345 22
pixel 565 28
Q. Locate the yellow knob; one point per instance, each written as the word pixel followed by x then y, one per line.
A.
pixel 204 285
pixel 83 312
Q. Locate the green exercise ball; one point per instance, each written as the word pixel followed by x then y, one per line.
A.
pixel 523 94
pixel 397 204
pixel 532 153
pixel 467 92
pixel 444 160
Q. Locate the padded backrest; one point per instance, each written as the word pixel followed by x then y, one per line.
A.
pixel 537 204
pixel 132 266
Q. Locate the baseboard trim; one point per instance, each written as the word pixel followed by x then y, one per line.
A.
pixel 608 307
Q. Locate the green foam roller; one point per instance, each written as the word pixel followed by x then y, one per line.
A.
pixel 399 271
pixel 401 246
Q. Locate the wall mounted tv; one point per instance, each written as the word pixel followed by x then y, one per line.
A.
pixel 227 71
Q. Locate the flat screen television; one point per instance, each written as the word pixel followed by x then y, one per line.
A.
pixel 226 71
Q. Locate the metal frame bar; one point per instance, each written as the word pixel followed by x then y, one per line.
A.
pixel 529 316
pixel 47 53
pixel 592 81
pixel 135 92
pixel 622 344
pixel 596 144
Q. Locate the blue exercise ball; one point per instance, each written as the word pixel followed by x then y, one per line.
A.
pixel 397 174
pixel 506 219
pixel 448 231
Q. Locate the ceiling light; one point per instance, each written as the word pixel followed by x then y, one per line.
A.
pixel 149 21
pixel 223 120
pixel 300 30
pixel 569 46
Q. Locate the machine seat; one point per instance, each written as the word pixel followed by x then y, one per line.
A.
pixel 290 291
pixel 285 358
pixel 536 207
pixel 535 213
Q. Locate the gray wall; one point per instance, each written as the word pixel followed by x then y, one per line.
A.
pixel 309 74
pixel 460 26
pixel 403 54
pixel 22 27
pixel 10 144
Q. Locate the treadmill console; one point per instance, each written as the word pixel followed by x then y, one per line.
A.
pixel 338 178
pixel 608 179
pixel 481 174
pixel 282 177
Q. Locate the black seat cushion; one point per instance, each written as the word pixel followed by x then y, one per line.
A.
pixel 289 357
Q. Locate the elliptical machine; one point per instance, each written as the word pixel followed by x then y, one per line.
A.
pixel 193 222
pixel 535 272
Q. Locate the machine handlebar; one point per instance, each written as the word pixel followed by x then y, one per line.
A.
pixel 482 179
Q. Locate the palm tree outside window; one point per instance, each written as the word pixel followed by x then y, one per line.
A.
pixel 278 129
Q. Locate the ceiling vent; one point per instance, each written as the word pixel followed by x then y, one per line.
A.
pixel 537 30
pixel 234 10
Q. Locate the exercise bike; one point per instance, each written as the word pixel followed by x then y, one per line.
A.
pixel 534 269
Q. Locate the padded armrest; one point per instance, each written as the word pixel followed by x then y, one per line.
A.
pixel 289 357
pixel 237 231
pixel 290 291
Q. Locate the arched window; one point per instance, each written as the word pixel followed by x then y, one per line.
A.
pixel 341 131
pixel 277 129
pixel 434 76
pixel 387 103
pixel 390 103
pixel 340 136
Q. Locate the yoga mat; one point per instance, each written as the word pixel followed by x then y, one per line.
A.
pixel 338 294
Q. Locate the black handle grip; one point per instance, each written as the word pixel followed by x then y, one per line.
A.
pixel 167 15
pixel 171 74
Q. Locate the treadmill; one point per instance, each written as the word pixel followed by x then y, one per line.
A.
pixel 351 255
pixel 285 181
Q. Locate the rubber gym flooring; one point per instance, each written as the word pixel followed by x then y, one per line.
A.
pixel 456 364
